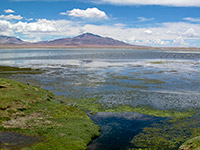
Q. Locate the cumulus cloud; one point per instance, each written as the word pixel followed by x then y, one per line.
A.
pixel 149 32
pixel 176 3
pixel 192 19
pixel 165 34
pixel 5 27
pixel 179 41
pixel 88 13
pixel 9 11
pixel 40 26
pixel 191 33
pixel 11 17
pixel 143 19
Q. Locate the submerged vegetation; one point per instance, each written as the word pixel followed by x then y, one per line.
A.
pixel 33 111
pixel 4 70
pixel 178 126
pixel 169 135
pixel 91 105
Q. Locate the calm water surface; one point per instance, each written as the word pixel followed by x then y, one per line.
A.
pixel 162 79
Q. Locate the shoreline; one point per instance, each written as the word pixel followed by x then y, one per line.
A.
pixel 94 47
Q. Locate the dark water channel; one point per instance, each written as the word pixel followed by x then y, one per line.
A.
pixel 118 129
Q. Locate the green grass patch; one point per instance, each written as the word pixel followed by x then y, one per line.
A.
pixel 33 111
pixel 192 144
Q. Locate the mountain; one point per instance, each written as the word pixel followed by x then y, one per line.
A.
pixel 86 39
pixel 10 40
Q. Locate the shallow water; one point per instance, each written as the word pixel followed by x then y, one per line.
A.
pixel 162 79
pixel 16 141
pixel 118 129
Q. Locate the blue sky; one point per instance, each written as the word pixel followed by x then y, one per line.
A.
pixel 139 22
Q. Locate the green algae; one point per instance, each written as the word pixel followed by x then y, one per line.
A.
pixel 142 81
pixel 168 135
pixel 93 106
pixel 33 111
pixel 5 70
pixel 152 112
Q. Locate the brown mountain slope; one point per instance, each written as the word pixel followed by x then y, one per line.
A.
pixel 10 40
pixel 86 39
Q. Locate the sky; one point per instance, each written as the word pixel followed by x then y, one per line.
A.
pixel 162 23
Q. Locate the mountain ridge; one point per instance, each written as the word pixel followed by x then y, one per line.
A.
pixel 86 39
pixel 6 40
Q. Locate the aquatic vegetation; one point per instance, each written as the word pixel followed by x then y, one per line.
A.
pixel 91 105
pixel 16 70
pixel 155 87
pixel 161 62
pixel 33 111
pixel 167 136
pixel 152 112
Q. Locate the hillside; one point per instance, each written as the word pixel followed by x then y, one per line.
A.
pixel 83 40
pixel 10 40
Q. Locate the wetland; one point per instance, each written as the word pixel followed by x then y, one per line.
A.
pixel 141 99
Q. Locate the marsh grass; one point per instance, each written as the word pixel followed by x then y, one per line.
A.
pixel 33 111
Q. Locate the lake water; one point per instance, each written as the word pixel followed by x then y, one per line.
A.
pixel 160 79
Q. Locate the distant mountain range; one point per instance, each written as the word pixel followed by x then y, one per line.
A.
pixel 10 40
pixel 86 39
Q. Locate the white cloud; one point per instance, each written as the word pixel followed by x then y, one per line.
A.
pixel 11 17
pixel 179 41
pixel 5 27
pixel 148 32
pixel 164 34
pixel 192 19
pixel 32 40
pixel 63 13
pixel 176 3
pixel 160 42
pixel 30 19
pixel 191 33
pixel 42 25
pixel 88 13
pixel 143 19
pixel 9 11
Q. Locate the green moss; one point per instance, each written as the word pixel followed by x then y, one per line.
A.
pixel 34 111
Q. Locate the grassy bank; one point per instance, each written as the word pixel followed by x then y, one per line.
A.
pixel 33 111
